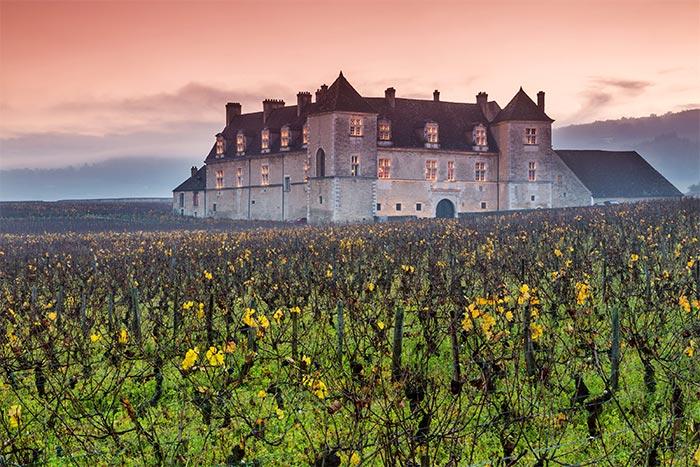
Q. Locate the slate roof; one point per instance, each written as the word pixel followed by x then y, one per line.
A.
pixel 617 174
pixel 455 122
pixel 521 108
pixel 342 97
pixel 195 183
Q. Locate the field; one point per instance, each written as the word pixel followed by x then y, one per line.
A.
pixel 543 338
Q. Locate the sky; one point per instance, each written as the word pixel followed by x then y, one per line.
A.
pixel 82 82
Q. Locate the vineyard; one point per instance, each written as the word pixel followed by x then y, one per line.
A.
pixel 542 338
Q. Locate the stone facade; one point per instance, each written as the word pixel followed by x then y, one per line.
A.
pixel 335 175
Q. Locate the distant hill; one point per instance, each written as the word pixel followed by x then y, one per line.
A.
pixel 669 142
pixel 128 177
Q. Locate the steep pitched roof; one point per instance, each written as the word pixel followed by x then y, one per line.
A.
pixel 455 121
pixel 195 183
pixel 341 96
pixel 521 108
pixel 617 174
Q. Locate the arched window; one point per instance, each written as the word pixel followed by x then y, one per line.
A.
pixel 320 163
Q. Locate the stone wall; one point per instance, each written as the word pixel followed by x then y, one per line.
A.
pixel 188 208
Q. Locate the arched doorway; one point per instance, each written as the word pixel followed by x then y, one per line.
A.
pixel 320 163
pixel 445 209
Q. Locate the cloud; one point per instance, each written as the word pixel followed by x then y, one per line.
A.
pixel 602 92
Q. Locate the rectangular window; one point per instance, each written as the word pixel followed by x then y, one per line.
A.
pixel 219 147
pixel 305 134
pixel 480 136
pixel 419 207
pixel 384 169
pixel 451 171
pixel 195 199
pixel 384 132
pixel 240 143
pixel 213 207
pixel 379 206
pixel 480 171
pixel 355 166
pixel 265 140
pixel 483 205
pixel 532 198
pixel 219 179
pixel 431 132
pixel 264 174
pixel 355 126
pixel 398 206
pixel 431 170
pixel 284 137
pixel 287 183
pixel 182 200
pixel 530 135
pixel 531 171
pixel 239 176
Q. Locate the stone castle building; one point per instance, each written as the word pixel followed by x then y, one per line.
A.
pixel 347 158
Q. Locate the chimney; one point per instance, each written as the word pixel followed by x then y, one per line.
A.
pixel 269 105
pixel 233 109
pixel 540 100
pixel 320 92
pixel 436 95
pixel 390 97
pixel 482 98
pixel 193 170
pixel 303 100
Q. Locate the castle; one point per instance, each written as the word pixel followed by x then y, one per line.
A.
pixel 348 158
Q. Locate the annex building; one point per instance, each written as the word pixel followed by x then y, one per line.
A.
pixel 342 157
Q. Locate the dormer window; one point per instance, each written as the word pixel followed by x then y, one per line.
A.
pixel 220 146
pixel 530 135
pixel 384 130
pixel 355 126
pixel 240 143
pixel 431 135
pixel 305 134
pixel 479 138
pixel 265 140
pixel 284 138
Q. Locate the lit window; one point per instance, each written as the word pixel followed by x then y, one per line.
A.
pixel 239 176
pixel 219 179
pixel 240 143
pixel 531 171
pixel 480 135
pixel 284 137
pixel 384 168
pixel 480 171
pixel 305 134
pixel 264 174
pixel 451 171
pixel 384 133
pixel 431 170
pixel 530 135
pixel 431 132
pixel 195 199
pixel 265 140
pixel 355 166
pixel 355 126
pixel 220 146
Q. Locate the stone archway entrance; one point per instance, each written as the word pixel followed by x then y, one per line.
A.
pixel 445 209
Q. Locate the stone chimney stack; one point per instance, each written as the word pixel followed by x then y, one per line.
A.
pixel 482 98
pixel 436 95
pixel 233 109
pixel 390 97
pixel 269 105
pixel 320 92
pixel 540 100
pixel 193 170
pixel 303 100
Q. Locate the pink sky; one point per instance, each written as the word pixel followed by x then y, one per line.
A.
pixel 104 68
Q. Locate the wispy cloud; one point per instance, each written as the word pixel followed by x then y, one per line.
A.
pixel 605 91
